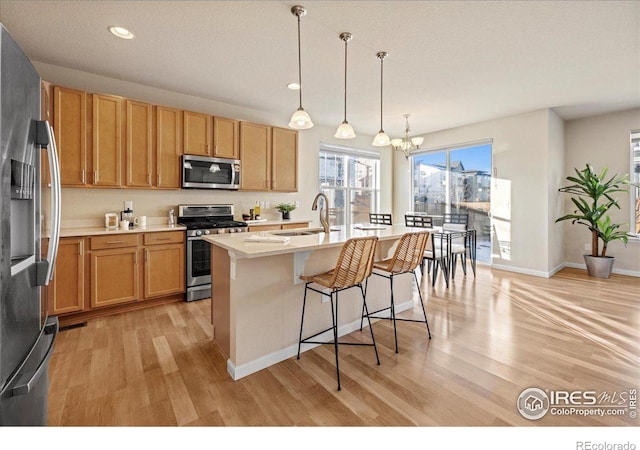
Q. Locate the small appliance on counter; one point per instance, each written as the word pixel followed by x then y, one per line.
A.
pixel 111 221
pixel 127 214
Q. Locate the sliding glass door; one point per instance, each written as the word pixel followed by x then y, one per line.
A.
pixel 456 181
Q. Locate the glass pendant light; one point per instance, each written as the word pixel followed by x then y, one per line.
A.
pixel 345 130
pixel 300 120
pixel 381 139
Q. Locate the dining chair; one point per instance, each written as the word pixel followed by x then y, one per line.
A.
pixel 407 256
pixel 458 246
pixel 458 218
pixel 437 249
pixel 378 218
pixel 354 265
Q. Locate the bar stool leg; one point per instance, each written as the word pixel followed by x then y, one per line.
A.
pixel 393 313
pixel 363 305
pixel 421 304
pixel 334 320
pixel 364 302
pixel 304 303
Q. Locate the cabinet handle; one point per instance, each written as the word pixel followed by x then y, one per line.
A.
pixel 82 176
pixel 149 179
pixel 208 149
pixel 135 258
pixel 115 242
pixel 158 180
pixel 162 239
pixel 146 255
pixel 81 249
pixel 95 176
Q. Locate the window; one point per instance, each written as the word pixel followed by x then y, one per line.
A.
pixel 351 181
pixel 456 180
pixel 635 179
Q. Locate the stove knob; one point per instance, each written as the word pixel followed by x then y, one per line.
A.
pixel 231 230
pixel 206 231
pixel 198 233
pixel 220 230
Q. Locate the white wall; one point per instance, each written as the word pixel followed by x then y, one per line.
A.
pixel 602 141
pixel 520 190
pixel 89 204
pixel 556 170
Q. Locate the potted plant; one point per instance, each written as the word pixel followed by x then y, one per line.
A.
pixel 593 198
pixel 285 209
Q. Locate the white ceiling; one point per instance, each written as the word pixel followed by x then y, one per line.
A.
pixel 450 63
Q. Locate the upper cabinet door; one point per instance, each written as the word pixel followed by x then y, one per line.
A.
pixel 284 160
pixel 225 138
pixel 70 118
pixel 107 140
pixel 139 144
pixel 255 154
pixel 168 147
pixel 197 134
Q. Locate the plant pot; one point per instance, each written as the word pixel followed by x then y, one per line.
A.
pixel 286 216
pixel 599 266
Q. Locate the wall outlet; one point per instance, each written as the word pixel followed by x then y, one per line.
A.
pixel 297 204
pixel 587 247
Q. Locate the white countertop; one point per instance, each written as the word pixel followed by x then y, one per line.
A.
pixel 235 243
pixel 275 221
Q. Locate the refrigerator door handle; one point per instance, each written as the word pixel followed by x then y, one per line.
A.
pixel 45 272
pixel 50 328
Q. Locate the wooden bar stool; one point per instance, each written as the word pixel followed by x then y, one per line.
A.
pixel 355 264
pixel 406 258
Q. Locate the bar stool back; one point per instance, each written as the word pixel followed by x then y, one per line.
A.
pixel 354 265
pixel 406 258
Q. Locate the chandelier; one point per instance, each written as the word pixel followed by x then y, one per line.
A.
pixel 407 143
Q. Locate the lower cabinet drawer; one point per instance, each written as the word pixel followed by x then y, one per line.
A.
pixel 165 237
pixel 114 241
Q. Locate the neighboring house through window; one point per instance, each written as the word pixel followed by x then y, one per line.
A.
pixel 351 180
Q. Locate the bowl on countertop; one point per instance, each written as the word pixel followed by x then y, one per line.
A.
pixel 246 217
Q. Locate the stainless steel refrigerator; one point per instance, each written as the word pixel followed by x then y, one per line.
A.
pixel 27 334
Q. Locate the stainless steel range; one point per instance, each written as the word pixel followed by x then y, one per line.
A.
pixel 201 220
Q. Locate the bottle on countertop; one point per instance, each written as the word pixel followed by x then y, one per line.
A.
pixel 256 210
pixel 172 219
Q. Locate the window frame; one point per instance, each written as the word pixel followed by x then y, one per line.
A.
pixel 347 188
pixel 634 191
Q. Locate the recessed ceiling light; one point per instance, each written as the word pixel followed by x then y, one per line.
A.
pixel 293 86
pixel 121 32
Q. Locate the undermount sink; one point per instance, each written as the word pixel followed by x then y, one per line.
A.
pixel 302 232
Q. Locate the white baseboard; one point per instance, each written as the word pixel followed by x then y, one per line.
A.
pixel 535 273
pixel 263 362
pixel 630 273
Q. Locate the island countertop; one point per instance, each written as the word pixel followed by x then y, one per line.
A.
pixel 235 243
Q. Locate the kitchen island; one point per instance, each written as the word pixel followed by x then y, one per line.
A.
pixel 256 299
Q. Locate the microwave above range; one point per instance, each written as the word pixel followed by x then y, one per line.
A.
pixel 203 172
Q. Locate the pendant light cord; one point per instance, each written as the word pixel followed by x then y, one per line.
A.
pixel 381 74
pixel 299 63
pixel 345 80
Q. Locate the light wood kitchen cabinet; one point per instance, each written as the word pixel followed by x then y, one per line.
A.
pixel 46 113
pixel 70 128
pixel 269 157
pixel 284 160
pixel 168 147
pixel 255 155
pixel 139 144
pixel 115 271
pixel 197 134
pixel 66 291
pixel 226 136
pixel 164 264
pixel 107 140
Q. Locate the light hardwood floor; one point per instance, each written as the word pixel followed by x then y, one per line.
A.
pixel 493 336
